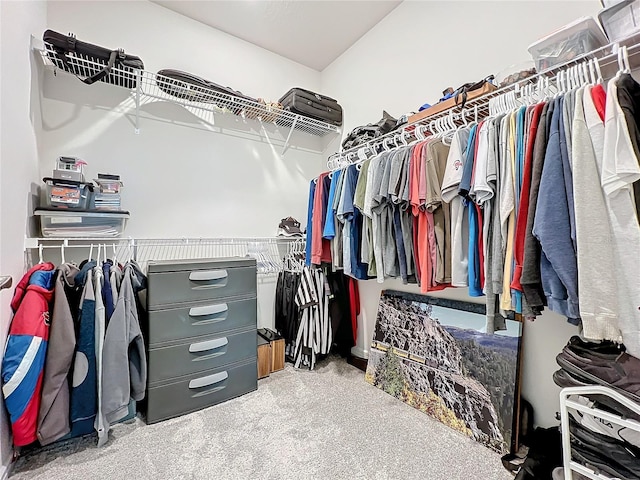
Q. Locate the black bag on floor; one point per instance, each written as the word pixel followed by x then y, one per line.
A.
pixel 91 63
pixel 310 104
pixel 187 86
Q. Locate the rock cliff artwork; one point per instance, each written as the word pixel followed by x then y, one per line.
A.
pixel 434 355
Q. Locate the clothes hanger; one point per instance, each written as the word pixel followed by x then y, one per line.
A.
pixel 62 253
pixel 40 254
pixel 599 78
pixel 625 59
pixel 592 72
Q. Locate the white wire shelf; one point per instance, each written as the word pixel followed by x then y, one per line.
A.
pixel 146 86
pixel 268 251
pixel 478 108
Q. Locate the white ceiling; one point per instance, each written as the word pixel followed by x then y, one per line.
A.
pixel 313 33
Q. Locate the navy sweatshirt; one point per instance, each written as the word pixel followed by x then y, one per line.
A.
pixel 552 227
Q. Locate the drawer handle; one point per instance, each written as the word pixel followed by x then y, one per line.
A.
pixel 208 345
pixel 208 275
pixel 208 310
pixel 208 380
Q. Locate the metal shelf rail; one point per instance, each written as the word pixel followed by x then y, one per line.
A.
pixel 566 403
pixel 268 251
pixel 150 87
pixel 478 108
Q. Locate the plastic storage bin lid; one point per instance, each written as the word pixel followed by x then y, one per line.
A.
pixel 580 25
pixel 80 212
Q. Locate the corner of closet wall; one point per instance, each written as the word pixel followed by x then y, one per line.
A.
pixel 184 174
pixel 18 153
pixel 397 69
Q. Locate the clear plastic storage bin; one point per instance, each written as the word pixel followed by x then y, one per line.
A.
pixel 66 223
pixel 567 43
pixel 621 20
pixel 67 194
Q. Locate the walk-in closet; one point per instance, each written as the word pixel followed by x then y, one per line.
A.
pixel 320 239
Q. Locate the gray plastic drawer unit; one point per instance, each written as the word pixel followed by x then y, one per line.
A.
pixel 202 334
pixel 202 353
pixel 178 283
pixel 201 319
pixel 194 392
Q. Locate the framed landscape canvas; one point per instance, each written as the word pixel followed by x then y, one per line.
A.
pixel 435 355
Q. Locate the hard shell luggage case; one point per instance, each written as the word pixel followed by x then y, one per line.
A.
pixel 189 87
pixel 92 63
pixel 314 105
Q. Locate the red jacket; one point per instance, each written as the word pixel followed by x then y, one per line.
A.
pixel 25 353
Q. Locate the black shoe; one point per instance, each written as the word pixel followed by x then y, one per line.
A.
pixel 619 371
pixel 597 463
pixel 620 455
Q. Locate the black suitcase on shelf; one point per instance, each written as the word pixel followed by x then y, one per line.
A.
pixel 91 63
pixel 314 105
pixel 187 86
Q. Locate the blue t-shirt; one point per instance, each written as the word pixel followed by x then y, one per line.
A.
pixel 475 287
pixel 353 219
pixel 329 230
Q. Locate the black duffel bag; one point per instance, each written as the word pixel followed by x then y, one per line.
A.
pixel 92 63
pixel 186 86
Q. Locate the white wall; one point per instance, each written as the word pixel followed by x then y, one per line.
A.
pixel 19 120
pixel 408 59
pixel 179 180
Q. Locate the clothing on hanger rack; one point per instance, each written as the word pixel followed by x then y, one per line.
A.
pixel 90 353
pixel 492 206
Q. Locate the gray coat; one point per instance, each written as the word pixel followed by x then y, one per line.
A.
pixel 124 364
pixel 53 416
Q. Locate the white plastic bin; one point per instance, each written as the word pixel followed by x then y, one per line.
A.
pixel 621 20
pixel 567 43
pixel 75 223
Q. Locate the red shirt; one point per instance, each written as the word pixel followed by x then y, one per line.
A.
pixel 599 97
pixel 521 220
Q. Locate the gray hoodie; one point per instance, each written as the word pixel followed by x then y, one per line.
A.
pixel 124 365
pixel 53 416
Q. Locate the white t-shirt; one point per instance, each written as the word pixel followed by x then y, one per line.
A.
pixel 459 223
pixel 619 171
pixel 480 189
pixel 455 164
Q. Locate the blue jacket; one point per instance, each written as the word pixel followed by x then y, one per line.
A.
pixel 83 398
pixel 552 227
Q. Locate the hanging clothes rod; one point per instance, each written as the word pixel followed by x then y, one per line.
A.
pixel 478 108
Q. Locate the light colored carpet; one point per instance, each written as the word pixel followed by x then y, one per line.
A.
pixel 325 424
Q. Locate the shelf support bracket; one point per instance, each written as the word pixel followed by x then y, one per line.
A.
pixel 137 98
pixel 286 143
